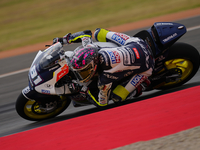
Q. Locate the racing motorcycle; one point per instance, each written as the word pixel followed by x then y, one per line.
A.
pixel 52 84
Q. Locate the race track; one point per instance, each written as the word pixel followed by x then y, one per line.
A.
pixel 12 85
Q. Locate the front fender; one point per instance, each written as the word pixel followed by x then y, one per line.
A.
pixel 34 95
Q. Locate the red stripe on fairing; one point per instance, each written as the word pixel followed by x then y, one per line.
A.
pixel 63 72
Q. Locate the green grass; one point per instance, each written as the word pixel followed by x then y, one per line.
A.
pixel 25 22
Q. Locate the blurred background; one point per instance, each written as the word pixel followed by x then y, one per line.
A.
pixel 25 22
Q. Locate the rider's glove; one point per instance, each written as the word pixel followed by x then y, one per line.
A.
pixel 76 37
pixel 66 39
pixel 63 40
pixel 104 93
pixel 74 87
pixel 73 38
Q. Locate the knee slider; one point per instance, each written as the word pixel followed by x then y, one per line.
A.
pixel 100 34
pixel 119 93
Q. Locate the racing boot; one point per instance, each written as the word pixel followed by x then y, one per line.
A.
pixel 142 87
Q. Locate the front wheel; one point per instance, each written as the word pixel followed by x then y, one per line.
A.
pixel 184 57
pixel 37 111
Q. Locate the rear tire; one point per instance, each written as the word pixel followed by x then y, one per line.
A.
pixel 191 56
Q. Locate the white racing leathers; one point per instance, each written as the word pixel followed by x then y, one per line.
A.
pixel 132 60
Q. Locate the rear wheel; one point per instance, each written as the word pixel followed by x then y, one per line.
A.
pixel 36 111
pixel 184 57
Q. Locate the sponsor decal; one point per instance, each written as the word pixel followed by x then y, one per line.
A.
pixel 110 76
pixel 123 36
pixel 63 72
pixel 45 91
pixel 136 53
pixel 128 73
pixel 170 37
pixel 114 56
pixel 26 90
pixel 137 80
pixel 102 100
pixel 33 72
pixel 117 56
pixel 120 38
pixel 35 77
pixel 163 23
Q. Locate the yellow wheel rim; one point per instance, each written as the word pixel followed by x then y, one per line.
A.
pixel 37 113
pixel 185 65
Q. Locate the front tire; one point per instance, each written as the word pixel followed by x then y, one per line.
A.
pixel 29 109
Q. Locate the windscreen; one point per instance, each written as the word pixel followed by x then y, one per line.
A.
pixel 51 56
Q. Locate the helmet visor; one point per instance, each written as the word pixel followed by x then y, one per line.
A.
pixel 84 74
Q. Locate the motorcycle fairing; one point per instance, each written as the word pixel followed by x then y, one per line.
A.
pixel 159 38
pixel 166 33
pixel 34 95
pixel 47 69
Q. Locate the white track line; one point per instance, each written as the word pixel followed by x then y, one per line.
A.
pixel 26 69
pixel 14 72
pixel 193 28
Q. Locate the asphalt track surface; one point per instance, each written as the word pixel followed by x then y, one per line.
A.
pixel 12 85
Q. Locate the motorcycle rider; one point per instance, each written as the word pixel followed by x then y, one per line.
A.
pixel 131 59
